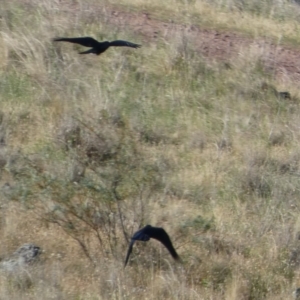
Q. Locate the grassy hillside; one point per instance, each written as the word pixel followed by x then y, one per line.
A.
pixel 278 20
pixel 92 148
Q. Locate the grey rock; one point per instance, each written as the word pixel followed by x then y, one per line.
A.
pixel 23 256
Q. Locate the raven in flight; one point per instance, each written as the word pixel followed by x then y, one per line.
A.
pixel 157 233
pixel 96 47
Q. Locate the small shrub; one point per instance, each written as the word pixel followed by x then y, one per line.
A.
pixel 253 182
pixel 106 178
pixel 257 288
pixel 220 273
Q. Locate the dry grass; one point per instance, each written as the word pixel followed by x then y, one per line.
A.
pixel 160 136
pixel 278 20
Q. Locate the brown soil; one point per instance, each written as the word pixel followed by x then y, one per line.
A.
pixel 283 60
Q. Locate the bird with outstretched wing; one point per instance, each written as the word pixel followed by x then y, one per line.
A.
pixel 96 47
pixel 156 233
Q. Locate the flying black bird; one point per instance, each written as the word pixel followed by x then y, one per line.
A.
pixel 157 233
pixel 96 47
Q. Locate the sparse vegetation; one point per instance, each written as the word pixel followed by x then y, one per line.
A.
pixel 92 148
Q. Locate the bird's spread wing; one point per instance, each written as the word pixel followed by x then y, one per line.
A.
pixel 84 41
pixel 140 235
pixel 119 43
pixel 161 235
pixel 129 252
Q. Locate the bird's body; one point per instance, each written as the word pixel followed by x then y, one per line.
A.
pixel 157 233
pixel 96 47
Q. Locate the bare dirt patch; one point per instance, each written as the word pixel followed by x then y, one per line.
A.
pixel 283 60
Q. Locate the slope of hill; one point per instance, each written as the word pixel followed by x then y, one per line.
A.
pixel 192 133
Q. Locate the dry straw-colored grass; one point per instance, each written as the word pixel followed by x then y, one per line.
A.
pixel 278 20
pixel 159 135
